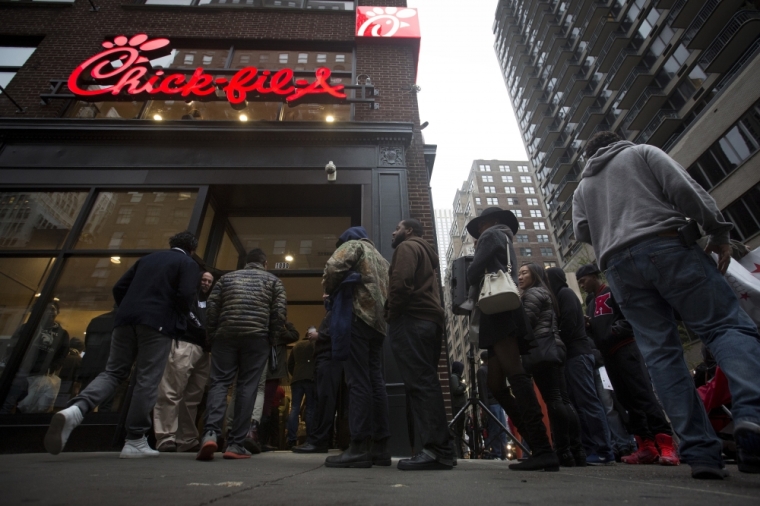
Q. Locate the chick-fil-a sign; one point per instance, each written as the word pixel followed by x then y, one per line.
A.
pixel 135 78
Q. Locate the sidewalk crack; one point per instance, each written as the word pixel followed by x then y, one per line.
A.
pixel 259 485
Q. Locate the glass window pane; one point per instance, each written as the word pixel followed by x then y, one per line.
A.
pixel 282 238
pixel 227 259
pixel 136 220
pixel 15 56
pixel 275 60
pixel 211 111
pixel 208 220
pixel 317 112
pixel 79 319
pixel 37 220
pixel 5 78
pixel 105 110
pixel 21 280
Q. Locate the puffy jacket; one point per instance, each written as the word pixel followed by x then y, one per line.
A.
pixel 249 301
pixel 538 306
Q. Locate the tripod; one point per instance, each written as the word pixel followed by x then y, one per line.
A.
pixel 474 402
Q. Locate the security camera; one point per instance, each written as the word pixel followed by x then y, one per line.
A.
pixel 332 171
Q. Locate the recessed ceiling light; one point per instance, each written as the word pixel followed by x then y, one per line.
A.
pixel 243 117
pixel 157 117
pixel 115 260
pixel 330 119
pixel 289 258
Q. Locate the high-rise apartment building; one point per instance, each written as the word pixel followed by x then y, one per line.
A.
pixel 443 220
pixel 677 74
pixel 510 185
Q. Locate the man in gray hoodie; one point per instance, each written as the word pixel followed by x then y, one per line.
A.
pixel 630 204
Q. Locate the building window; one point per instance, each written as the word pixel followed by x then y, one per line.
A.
pixel 522 238
pixel 321 58
pixel 539 225
pixel 283 57
pixel 542 238
pixel 11 60
pixel 477 201
pixel 340 58
pixel 522 168
pixel 509 189
pixel 547 265
pixel 506 179
pixel 517 212
pixel 36 220
pixel 532 202
pixel 490 189
pixel 547 252
pixel 504 168
pixel 492 201
pixel 522 225
pixel 744 213
pixel 737 145
pixel 487 179
pixel 525 179
pixel 484 168
pixel 529 189
pixel 535 213
pixel 513 201
pixel 526 252
pixel 303 57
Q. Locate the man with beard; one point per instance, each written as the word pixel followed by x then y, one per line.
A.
pixel 415 329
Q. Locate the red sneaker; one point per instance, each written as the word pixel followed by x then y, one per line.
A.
pixel 646 454
pixel 668 454
pixel 208 447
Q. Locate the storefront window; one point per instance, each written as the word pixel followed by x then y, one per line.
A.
pixel 208 220
pixel 71 344
pixel 37 220
pixel 227 259
pixel 22 280
pixel 136 219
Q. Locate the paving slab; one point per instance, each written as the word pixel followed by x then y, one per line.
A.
pixel 285 478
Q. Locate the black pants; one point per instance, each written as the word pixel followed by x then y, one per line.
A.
pixel 630 379
pixel 416 344
pixel 550 379
pixel 247 356
pixel 328 374
pixel 367 398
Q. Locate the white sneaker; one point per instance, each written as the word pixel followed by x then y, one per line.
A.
pixel 60 428
pixel 137 449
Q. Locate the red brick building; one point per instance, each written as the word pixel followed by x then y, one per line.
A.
pixel 88 184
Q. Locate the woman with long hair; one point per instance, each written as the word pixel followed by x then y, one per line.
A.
pixel 545 362
pixel 507 335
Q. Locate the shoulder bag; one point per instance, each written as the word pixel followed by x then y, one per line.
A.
pixel 499 292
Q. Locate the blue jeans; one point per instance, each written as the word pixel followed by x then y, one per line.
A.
pixel 652 279
pixel 579 373
pixel 497 438
pixel 299 390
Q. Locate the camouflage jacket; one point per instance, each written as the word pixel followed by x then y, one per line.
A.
pixel 370 295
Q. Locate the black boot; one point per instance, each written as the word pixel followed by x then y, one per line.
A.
pixel 357 455
pixel 509 404
pixel 576 446
pixel 380 454
pixel 542 456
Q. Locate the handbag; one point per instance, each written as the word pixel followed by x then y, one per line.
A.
pixel 499 292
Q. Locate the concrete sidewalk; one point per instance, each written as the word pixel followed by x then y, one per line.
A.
pixel 285 478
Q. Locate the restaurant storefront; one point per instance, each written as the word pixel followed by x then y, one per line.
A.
pixel 224 136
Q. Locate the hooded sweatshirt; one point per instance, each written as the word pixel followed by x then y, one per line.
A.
pixel 572 324
pixel 629 193
pixel 414 288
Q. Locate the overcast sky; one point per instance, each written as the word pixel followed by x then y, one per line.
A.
pixel 457 55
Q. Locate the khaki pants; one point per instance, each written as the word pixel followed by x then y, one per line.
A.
pixel 179 393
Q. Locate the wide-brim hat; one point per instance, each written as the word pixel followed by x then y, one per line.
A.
pixel 502 216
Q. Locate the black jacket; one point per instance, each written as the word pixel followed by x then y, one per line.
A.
pixel 540 310
pixel 572 324
pixel 249 301
pixel 491 256
pixel 301 361
pixel 458 391
pixel 484 394
pixel 609 328
pixel 158 291
pixel 323 345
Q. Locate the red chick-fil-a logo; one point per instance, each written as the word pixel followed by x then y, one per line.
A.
pixel 132 77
